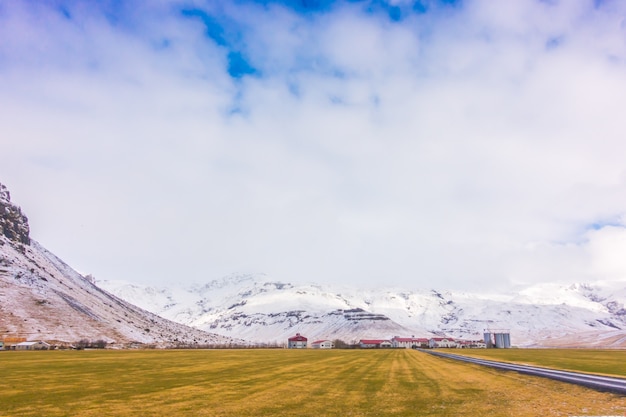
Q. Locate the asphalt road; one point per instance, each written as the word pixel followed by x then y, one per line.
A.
pixel 597 382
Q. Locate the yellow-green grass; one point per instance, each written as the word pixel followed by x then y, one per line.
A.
pixel 608 362
pixel 278 383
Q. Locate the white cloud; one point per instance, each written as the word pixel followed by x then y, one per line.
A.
pixel 457 148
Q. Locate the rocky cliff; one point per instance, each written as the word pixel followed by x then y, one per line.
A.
pixel 13 223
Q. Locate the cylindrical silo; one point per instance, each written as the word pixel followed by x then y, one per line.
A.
pixel 507 340
pixel 499 340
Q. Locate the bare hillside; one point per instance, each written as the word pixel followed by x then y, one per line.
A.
pixel 42 298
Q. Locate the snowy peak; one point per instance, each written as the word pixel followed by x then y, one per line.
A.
pixel 258 309
pixel 42 297
pixel 262 310
pixel 230 281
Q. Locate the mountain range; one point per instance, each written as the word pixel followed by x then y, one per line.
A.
pixel 42 298
pixel 258 309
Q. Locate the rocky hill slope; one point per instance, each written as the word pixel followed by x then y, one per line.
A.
pixel 13 223
pixel 42 298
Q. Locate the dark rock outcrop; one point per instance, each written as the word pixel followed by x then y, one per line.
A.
pixel 13 223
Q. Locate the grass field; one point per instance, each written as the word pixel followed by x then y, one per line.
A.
pixel 278 383
pixel 609 362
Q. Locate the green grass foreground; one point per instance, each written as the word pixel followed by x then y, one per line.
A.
pixel 278 383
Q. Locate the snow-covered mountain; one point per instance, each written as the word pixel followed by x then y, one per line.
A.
pixel 42 298
pixel 261 310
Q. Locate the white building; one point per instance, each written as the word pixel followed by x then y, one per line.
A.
pixel 32 346
pixel 323 344
pixel 442 342
pixel 374 343
pixel 471 344
pixel 409 342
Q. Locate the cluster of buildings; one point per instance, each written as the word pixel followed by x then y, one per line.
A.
pixel 499 340
pixel 421 343
pixel 300 342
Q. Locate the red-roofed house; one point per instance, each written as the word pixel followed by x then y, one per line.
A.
pixel 441 342
pixel 409 342
pixel 471 344
pixel 297 342
pixel 374 343
pixel 323 344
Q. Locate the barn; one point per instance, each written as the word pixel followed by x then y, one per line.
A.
pixel 297 342
pixel 374 343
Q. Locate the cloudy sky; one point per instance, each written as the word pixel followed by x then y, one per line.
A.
pixel 464 144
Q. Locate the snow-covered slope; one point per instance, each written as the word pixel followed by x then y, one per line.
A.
pixel 42 298
pixel 258 309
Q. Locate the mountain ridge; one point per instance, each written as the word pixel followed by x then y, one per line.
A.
pixel 43 298
pixel 260 310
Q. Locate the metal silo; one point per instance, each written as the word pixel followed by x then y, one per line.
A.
pixel 488 341
pixel 499 340
pixel 507 340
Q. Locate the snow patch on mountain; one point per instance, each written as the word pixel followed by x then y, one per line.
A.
pixel 256 308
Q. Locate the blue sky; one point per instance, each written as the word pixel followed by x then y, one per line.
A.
pixel 450 144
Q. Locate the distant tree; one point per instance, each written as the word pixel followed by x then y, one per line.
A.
pixel 89 344
pixel 99 344
pixel 82 344
pixel 340 344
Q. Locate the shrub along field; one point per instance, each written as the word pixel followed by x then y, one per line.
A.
pixel 608 362
pixel 278 383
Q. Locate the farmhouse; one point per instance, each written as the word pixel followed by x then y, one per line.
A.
pixel 374 343
pixel 441 342
pixel 471 344
pixel 297 342
pixel 32 346
pixel 323 344
pixel 409 342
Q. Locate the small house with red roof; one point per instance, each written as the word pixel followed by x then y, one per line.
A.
pixel 442 342
pixel 297 342
pixel 374 343
pixel 471 344
pixel 409 342
pixel 323 344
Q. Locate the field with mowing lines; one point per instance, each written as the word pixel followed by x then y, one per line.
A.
pixel 278 383
pixel 608 362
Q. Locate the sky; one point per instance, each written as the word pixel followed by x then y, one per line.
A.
pixel 467 144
